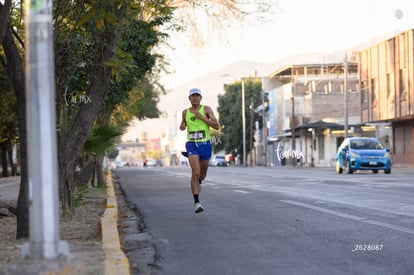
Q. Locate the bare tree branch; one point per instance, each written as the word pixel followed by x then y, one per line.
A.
pixel 212 17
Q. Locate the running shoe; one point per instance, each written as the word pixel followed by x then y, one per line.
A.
pixel 198 208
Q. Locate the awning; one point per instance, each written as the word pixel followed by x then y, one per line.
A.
pixel 319 125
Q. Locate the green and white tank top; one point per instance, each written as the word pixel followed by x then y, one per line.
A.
pixel 197 129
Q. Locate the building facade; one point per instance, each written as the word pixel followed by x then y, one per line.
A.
pixel 387 93
pixel 307 106
pixel 372 93
pixel 130 153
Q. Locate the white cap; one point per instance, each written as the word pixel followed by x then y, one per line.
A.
pixel 195 91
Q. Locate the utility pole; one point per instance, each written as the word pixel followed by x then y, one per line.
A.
pixel 264 137
pixel 43 181
pixel 346 96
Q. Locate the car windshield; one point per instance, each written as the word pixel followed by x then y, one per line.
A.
pixel 366 144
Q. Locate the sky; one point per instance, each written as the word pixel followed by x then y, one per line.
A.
pixel 293 27
pixel 296 26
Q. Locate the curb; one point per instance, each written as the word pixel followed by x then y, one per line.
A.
pixel 115 260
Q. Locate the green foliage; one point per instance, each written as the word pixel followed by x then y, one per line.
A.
pixel 230 113
pixel 79 194
pixel 133 90
pixel 112 154
pixel 8 101
pixel 103 139
pixel 8 110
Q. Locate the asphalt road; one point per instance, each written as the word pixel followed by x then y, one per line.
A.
pixel 9 188
pixel 277 220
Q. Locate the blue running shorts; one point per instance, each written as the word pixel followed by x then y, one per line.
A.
pixel 202 149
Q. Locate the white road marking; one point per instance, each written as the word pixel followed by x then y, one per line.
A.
pixel 375 186
pixel 242 191
pixel 352 217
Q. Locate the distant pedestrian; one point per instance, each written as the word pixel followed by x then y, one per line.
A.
pixel 197 120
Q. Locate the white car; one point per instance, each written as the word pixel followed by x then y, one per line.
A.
pixel 151 162
pixel 117 164
pixel 218 160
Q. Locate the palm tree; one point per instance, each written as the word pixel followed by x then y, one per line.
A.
pixel 101 140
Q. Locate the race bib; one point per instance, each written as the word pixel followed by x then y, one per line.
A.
pixel 199 135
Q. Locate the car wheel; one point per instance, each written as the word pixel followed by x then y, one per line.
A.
pixel 375 171
pixel 348 166
pixel 339 169
pixel 387 171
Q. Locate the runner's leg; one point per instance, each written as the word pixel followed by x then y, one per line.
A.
pixel 195 179
pixel 195 173
pixel 203 169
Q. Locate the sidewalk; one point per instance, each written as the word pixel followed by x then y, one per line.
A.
pixel 109 259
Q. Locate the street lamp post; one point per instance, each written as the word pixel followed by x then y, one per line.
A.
pixel 251 107
pixel 43 184
pixel 264 132
pixel 244 122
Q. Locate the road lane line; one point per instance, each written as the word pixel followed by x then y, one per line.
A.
pixel 242 191
pixel 351 217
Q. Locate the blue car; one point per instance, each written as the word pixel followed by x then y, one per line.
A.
pixel 363 153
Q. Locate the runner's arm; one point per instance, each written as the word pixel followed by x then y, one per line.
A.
pixel 210 118
pixel 183 124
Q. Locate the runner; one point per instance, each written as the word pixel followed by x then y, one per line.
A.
pixel 197 120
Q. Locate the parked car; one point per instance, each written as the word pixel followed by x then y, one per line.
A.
pixel 363 153
pixel 117 164
pixel 218 160
pixel 150 162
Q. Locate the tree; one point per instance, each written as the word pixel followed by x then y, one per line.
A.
pixel 229 109
pixel 8 124
pixel 203 18
pixel 115 45
pixel 11 30
pixel 101 140
pixel 95 30
pixel 104 50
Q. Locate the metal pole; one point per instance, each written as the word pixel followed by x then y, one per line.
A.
pixel 42 142
pixel 346 97
pixel 264 137
pixel 293 122
pixel 244 123
pixel 251 106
